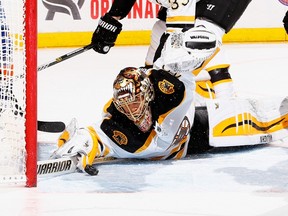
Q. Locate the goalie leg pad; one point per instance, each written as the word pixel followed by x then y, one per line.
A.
pixel 247 121
pixel 224 13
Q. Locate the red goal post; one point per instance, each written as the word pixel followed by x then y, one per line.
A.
pixel 18 92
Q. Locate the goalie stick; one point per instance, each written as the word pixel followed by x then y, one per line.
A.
pixel 57 126
pixel 51 126
pixel 45 126
pixel 54 167
pixel 66 165
pixel 65 57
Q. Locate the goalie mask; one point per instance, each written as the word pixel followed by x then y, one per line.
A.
pixel 132 92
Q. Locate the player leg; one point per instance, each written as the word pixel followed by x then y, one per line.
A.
pixel 218 67
pixel 157 31
pixel 224 13
pixel 220 16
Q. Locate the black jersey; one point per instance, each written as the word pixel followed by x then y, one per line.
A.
pixel 169 93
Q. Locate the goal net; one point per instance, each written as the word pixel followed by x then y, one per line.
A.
pixel 18 70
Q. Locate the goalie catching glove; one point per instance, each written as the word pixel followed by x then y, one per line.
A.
pixel 186 51
pixel 106 33
pixel 80 145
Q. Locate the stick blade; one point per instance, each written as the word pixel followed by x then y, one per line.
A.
pixel 51 126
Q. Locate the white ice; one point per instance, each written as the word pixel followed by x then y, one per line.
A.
pixel 232 182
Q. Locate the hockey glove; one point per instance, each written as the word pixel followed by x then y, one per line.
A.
pixel 106 33
pixel 285 22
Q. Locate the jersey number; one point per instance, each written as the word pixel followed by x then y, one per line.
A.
pixel 175 4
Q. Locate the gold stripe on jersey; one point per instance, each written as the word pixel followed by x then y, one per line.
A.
pixel 107 105
pixel 180 154
pixel 147 142
pixel 205 89
pixel 245 124
pixel 181 19
pixel 157 158
pixel 179 22
pixel 175 153
pixel 178 151
pixel 163 116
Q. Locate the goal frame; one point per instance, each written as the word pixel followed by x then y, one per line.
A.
pixel 31 92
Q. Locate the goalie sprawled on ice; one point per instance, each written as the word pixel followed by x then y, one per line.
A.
pixel 152 114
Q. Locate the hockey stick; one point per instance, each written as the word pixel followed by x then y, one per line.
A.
pixel 54 167
pixel 66 165
pixel 57 126
pixel 51 126
pixel 65 57
pixel 45 126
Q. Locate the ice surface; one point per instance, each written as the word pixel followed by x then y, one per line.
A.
pixel 230 181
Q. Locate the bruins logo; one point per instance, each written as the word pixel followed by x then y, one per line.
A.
pixel 166 87
pixel 120 138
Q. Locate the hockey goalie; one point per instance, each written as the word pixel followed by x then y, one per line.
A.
pixel 153 114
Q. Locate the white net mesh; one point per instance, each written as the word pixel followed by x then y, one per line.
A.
pixel 12 91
